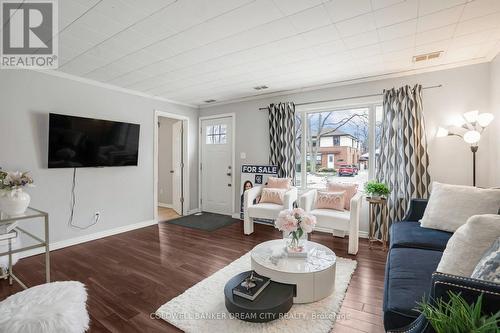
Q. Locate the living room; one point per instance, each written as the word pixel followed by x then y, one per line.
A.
pixel 250 166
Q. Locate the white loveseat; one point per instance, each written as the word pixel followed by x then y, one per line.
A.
pixel 265 210
pixel 335 221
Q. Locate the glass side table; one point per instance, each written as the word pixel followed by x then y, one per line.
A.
pixel 33 214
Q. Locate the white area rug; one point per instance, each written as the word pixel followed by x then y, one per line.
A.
pixel 201 308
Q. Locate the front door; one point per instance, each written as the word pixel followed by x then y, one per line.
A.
pixel 331 161
pixel 216 165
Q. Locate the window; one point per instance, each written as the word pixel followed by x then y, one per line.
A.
pixel 216 134
pixel 344 138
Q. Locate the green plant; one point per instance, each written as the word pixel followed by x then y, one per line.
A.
pixel 376 188
pixel 457 315
pixel 329 170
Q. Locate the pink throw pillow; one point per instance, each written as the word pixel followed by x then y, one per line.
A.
pixel 272 195
pixel 330 200
pixel 275 182
pixel 350 191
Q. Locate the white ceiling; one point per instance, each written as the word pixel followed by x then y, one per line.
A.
pixel 193 50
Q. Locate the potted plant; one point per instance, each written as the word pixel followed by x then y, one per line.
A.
pixel 296 224
pixel 457 315
pixel 13 200
pixel 376 190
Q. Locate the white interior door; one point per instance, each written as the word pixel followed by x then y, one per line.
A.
pixel 216 165
pixel 177 165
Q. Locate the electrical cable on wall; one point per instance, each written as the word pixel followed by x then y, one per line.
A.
pixel 73 204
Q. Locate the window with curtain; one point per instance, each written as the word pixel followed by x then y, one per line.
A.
pixel 336 144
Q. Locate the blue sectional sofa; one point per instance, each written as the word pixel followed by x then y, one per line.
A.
pixel 414 254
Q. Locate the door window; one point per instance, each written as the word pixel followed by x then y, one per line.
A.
pixel 216 134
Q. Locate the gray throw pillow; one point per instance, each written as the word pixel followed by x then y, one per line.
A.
pixel 488 268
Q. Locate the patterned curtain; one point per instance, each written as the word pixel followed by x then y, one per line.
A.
pixel 282 138
pixel 403 161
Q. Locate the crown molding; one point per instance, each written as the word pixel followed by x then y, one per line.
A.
pixel 350 82
pixel 110 86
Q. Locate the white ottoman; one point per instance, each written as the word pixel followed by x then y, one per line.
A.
pixel 57 307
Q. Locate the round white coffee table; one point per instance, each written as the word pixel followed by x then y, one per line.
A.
pixel 313 276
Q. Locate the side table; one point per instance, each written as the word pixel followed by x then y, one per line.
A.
pixel 381 205
pixel 31 213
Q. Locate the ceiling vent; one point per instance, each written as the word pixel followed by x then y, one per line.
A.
pixel 210 101
pixel 427 56
pixel 260 87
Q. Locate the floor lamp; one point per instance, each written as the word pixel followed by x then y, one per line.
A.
pixel 472 126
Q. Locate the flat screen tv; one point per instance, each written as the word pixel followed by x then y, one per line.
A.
pixel 76 142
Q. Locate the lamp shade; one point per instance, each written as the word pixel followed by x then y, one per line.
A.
pixel 484 119
pixel 441 132
pixel 471 116
pixel 472 137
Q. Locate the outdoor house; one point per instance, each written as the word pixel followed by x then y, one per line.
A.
pixel 337 149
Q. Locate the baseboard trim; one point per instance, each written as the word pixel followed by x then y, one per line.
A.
pixel 194 211
pixel 164 205
pixel 236 216
pixel 87 238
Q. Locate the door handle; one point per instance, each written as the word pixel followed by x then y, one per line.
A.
pixel 229 185
pixel 229 174
pixel 171 171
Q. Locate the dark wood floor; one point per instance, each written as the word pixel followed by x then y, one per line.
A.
pixel 130 275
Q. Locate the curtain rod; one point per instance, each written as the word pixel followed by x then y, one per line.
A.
pixel 351 97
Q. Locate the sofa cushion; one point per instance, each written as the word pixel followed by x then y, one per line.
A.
pixel 411 234
pixel 265 210
pixel 468 244
pixel 331 219
pixel 272 195
pixel 450 206
pixel 330 200
pixel 407 281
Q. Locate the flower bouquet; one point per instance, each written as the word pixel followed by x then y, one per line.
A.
pixel 296 224
pixel 13 200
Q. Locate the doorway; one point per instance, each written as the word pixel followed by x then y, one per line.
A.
pixel 217 164
pixel 170 181
pixel 331 161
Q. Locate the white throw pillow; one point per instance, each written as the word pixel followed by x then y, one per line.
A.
pixel 468 244
pixel 450 206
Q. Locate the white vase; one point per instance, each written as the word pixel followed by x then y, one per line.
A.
pixel 14 203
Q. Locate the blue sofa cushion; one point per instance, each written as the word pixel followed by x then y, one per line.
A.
pixel 411 234
pixel 407 281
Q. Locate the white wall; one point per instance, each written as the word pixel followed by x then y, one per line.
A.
pixel 464 88
pixel 123 195
pixel 165 160
pixel 495 126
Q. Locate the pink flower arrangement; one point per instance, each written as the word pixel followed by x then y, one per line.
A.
pixel 295 222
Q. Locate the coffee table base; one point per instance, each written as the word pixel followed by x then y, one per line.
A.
pixel 311 287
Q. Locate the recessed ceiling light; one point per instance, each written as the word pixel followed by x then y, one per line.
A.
pixel 260 87
pixel 427 56
pixel 210 101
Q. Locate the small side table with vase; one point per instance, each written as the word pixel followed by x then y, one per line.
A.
pixel 378 205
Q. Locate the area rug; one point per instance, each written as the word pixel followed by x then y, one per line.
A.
pixel 204 221
pixel 201 308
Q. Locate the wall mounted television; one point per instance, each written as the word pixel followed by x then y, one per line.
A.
pixel 77 142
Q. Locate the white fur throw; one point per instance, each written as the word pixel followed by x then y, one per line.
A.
pixel 58 307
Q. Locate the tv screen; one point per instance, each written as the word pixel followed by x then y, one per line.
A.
pixel 76 142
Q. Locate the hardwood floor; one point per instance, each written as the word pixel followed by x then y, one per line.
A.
pixel 130 275
pixel 165 214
